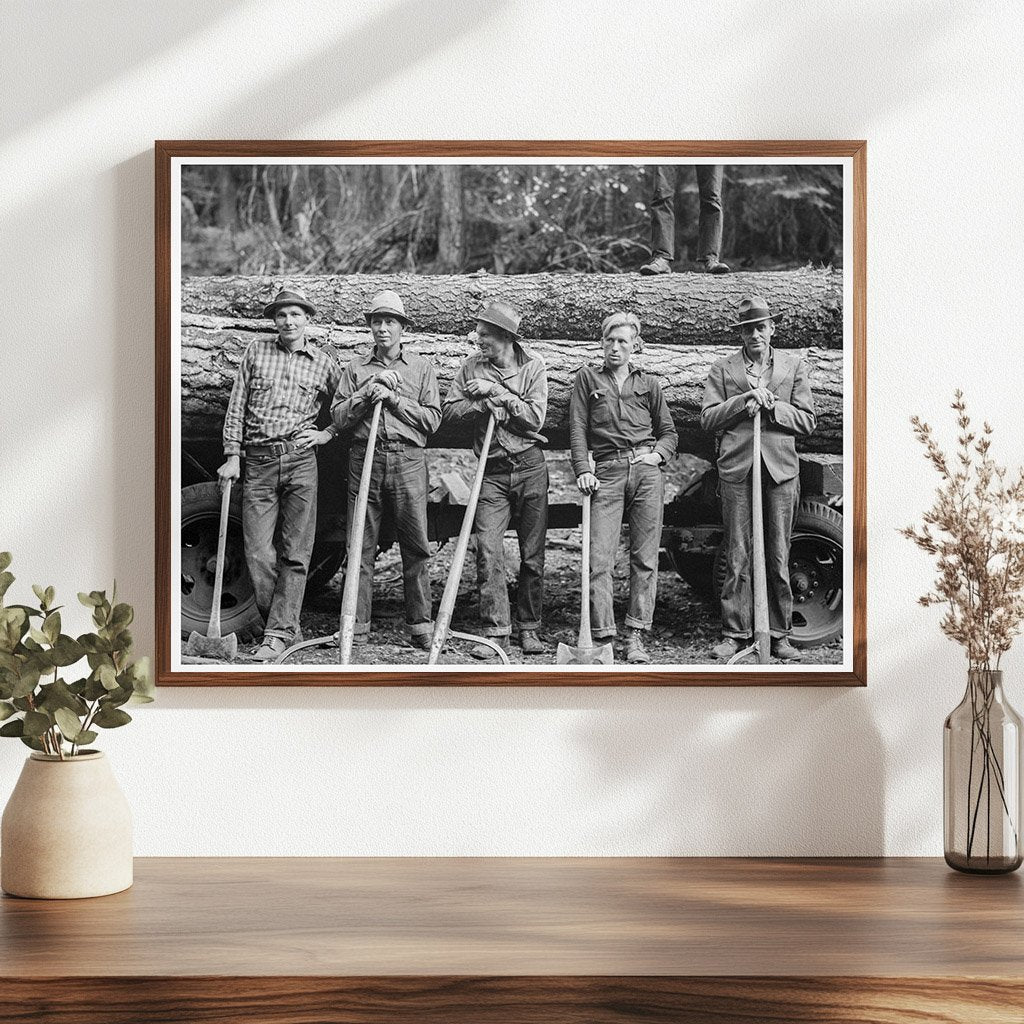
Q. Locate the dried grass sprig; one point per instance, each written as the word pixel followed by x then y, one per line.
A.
pixel 975 530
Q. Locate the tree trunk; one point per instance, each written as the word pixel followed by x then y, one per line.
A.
pixel 676 309
pixel 450 224
pixel 212 347
pixel 227 197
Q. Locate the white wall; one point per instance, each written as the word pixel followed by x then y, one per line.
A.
pixel 86 87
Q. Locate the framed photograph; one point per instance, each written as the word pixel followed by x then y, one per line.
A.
pixel 527 413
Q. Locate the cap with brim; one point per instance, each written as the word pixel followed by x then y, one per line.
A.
pixel 754 310
pixel 288 298
pixel 497 317
pixel 388 304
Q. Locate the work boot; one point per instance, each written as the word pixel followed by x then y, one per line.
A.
pixel 359 639
pixel 713 265
pixel 635 653
pixel 421 641
pixel 484 653
pixel 531 643
pixel 727 648
pixel 271 649
pixel 658 265
pixel 784 650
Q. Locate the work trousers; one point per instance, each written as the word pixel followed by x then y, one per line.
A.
pixel 398 487
pixel 779 503
pixel 513 486
pixel 663 212
pixel 279 498
pixel 633 492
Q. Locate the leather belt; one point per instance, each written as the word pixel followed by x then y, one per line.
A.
pixel 629 454
pixel 275 448
pixel 386 445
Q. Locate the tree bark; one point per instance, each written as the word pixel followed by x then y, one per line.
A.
pixel 450 224
pixel 676 309
pixel 211 348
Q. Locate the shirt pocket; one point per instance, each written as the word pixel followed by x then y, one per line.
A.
pixel 602 412
pixel 261 393
pixel 308 394
pixel 636 410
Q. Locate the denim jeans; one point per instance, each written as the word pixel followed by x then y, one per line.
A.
pixel 779 503
pixel 279 497
pixel 663 213
pixel 398 487
pixel 514 485
pixel 633 491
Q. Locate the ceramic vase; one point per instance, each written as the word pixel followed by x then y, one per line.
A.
pixel 66 830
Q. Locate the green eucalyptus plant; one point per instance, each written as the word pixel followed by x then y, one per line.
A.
pixel 46 712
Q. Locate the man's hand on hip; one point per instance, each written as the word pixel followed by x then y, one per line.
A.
pixel 311 438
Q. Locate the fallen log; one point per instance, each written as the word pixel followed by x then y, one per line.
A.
pixel 675 309
pixel 212 347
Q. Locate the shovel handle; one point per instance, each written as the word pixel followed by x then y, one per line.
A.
pixel 585 639
pixel 451 587
pixel 218 575
pixel 354 558
pixel 759 573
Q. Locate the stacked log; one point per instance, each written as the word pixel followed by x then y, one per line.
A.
pixel 685 322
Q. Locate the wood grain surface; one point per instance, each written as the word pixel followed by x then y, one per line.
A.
pixel 531 939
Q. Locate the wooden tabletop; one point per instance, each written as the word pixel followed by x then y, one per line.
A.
pixel 509 918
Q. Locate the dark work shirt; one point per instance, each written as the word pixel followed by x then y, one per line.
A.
pixel 412 417
pixel 278 393
pixel 606 419
pixel 523 395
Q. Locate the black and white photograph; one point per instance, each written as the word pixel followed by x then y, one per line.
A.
pixel 541 417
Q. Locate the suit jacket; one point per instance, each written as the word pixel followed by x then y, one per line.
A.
pixel 723 411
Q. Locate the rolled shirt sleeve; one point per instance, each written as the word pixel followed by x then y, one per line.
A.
pixel 234 418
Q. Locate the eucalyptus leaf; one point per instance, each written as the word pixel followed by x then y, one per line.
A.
pixel 36 723
pixel 14 728
pixel 66 651
pixel 27 681
pixel 5 559
pixel 94 689
pixel 50 595
pixel 39 636
pixel 69 724
pixel 6 710
pixel 111 718
pixel 121 616
pixel 51 626
pixel 89 600
pixel 86 736
pixel 31 741
pixel 59 695
pixel 107 676
pixel 40 593
pixel 6 579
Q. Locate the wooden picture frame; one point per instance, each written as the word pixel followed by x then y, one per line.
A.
pixel 850 370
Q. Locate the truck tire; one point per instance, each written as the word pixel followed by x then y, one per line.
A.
pixel 815 574
pixel 200 521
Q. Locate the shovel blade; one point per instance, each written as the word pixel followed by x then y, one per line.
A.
pixel 600 655
pixel 223 648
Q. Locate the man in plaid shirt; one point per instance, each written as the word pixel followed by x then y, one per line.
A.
pixel 281 385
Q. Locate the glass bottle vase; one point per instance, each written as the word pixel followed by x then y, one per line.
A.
pixel 981 779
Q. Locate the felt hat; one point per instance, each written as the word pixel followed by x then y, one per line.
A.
pixel 388 304
pixel 288 298
pixel 753 310
pixel 501 314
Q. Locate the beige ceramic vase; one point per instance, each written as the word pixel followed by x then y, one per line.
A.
pixel 66 831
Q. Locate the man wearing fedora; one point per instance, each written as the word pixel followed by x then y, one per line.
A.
pixel 506 380
pixel 281 385
pixel 619 412
pixel 758 377
pixel 406 386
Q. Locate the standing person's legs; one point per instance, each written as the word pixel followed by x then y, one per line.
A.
pixel 710 222
pixel 737 610
pixel 371 530
pixel 606 508
pixel 645 503
pixel 407 486
pixel 259 521
pixel 298 530
pixel 529 494
pixel 493 512
pixel 663 212
pixel 780 505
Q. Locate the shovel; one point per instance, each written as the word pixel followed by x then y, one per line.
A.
pixel 213 645
pixel 354 559
pixel 762 641
pixel 451 587
pixel 585 653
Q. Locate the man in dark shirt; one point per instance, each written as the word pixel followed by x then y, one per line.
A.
pixel 758 378
pixel 506 379
pixel 619 412
pixel 280 386
pixel 405 383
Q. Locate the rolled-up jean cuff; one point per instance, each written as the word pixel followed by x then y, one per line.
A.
pixel 779 634
pixel 632 623
pixel 279 633
pixel 420 628
pixel 496 631
pixel 736 636
pixel 530 625
pixel 361 629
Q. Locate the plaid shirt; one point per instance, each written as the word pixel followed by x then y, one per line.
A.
pixel 415 412
pixel 607 419
pixel 523 395
pixel 278 393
